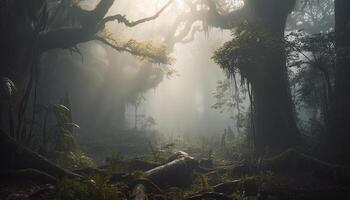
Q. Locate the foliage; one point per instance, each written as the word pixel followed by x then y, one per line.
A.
pixel 60 137
pixel 243 54
pixel 7 88
pixel 143 50
pixel 59 141
pixel 173 194
pixel 312 16
pixel 230 98
pixel 74 160
pixel 200 184
pixel 97 187
pixel 311 59
pixel 115 163
pixel 160 153
pixel 235 148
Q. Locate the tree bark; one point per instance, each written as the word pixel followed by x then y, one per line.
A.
pixel 274 123
pixel 261 59
pixel 340 133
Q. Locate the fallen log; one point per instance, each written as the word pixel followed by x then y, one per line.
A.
pixel 177 173
pixel 141 165
pixel 177 155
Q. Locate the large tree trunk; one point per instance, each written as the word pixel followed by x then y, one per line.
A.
pixel 274 124
pixel 341 104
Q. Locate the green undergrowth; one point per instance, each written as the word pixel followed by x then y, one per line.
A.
pixel 97 187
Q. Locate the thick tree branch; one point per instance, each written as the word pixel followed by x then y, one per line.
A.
pixel 97 15
pixel 69 37
pixel 91 23
pixel 227 21
pixel 115 47
pixel 63 38
pixel 124 20
pixel 210 17
pixel 146 51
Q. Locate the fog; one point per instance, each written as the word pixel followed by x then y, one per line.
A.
pixel 182 103
pixel 103 84
pixel 148 99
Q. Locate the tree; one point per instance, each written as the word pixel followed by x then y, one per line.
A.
pixel 258 54
pixel 30 28
pixel 311 48
pixel 39 29
pixel 312 16
pixel 33 27
pixel 261 29
pixel 341 106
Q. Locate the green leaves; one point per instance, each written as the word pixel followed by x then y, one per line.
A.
pixel 59 108
pixel 143 50
pixel 73 125
pixel 247 51
pixel 7 88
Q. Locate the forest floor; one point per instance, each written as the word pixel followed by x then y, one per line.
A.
pixel 169 174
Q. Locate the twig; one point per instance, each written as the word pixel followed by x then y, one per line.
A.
pixel 122 18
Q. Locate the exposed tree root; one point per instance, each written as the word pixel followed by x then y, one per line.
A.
pixel 294 163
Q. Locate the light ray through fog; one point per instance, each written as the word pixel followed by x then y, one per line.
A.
pixel 183 103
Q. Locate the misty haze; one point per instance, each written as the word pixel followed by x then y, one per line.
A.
pixel 175 99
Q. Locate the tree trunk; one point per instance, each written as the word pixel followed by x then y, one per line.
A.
pixel 341 104
pixel 274 124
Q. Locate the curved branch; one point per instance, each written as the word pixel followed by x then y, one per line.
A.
pixel 227 21
pixel 91 19
pixel 68 37
pixel 91 23
pixel 124 20
pixel 147 51
pixel 211 17
pixel 115 47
